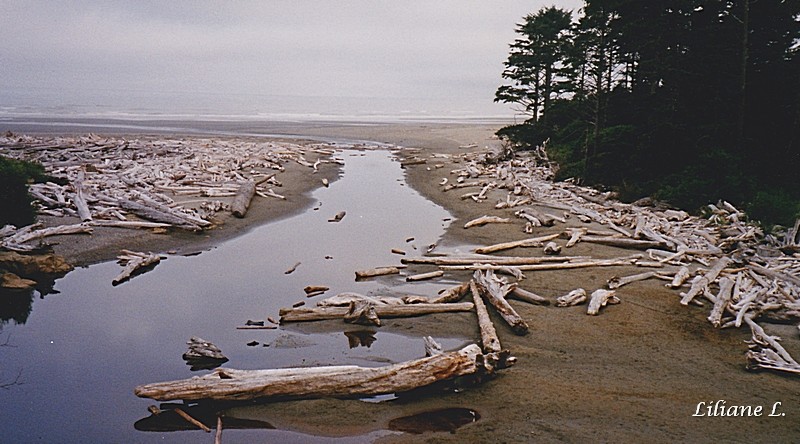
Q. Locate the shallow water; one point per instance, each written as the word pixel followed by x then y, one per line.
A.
pixel 81 351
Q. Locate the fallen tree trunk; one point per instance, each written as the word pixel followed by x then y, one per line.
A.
pixel 483 220
pixel 527 296
pixel 380 271
pixel 155 215
pixel 494 260
pixel 622 242
pixel 489 339
pixel 383 311
pixel 241 202
pixel 134 262
pixel 532 242
pixel 555 266
pixel 313 382
pixel 700 284
pixel 452 294
pixel 495 292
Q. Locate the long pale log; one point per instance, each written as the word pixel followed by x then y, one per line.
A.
pixel 622 242
pixel 424 276
pixel 155 215
pixel 489 339
pixel 383 311
pixel 495 260
pixel 314 382
pixel 127 224
pixel 532 242
pixel 495 292
pixel 80 203
pixel 16 242
pixel 241 202
pixel 380 271
pixel 555 266
pixel 774 274
pixel 699 284
pixel 483 220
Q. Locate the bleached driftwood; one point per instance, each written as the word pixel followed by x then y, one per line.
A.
pixel 680 277
pixel 495 291
pixel 452 294
pixel 383 311
pixel 521 294
pixel 346 298
pixel 17 241
pixel 599 299
pixel 362 312
pixel 723 297
pixel 574 297
pixel 241 202
pixel 424 276
pixel 552 248
pixel 532 242
pixel 150 213
pixel 483 220
pixel 489 339
pixel 134 262
pixel 311 382
pixel 494 260
pixel 379 271
pixel 616 281
pixel 700 284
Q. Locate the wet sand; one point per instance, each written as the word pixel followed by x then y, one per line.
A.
pixel 635 373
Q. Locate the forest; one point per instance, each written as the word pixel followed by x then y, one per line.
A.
pixel 686 101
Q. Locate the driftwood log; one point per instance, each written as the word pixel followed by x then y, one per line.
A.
pixel 312 382
pixel 495 292
pixel 241 202
pixel 383 311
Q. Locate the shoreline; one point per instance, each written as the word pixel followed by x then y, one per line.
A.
pixel 636 373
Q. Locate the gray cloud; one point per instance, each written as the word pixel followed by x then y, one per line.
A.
pixel 403 49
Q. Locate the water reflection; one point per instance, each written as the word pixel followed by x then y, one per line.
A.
pixel 94 342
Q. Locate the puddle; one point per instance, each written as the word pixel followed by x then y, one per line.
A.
pixel 81 350
pixel 443 420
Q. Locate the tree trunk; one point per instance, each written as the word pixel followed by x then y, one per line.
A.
pixel 314 382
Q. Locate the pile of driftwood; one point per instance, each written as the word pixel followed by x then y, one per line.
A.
pixel 155 183
pixel 746 276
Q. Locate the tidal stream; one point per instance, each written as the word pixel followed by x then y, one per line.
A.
pixel 78 354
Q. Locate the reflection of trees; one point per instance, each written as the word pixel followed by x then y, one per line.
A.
pixel 16 305
pixel 6 384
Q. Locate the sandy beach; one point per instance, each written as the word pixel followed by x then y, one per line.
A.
pixel 639 372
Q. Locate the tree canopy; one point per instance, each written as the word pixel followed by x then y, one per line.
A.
pixel 689 101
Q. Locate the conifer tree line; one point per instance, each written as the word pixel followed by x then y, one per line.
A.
pixel 688 101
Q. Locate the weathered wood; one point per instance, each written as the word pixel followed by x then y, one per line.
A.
pixel 599 299
pixel 362 312
pixel 574 297
pixel 552 248
pixel 155 215
pixel 241 202
pixel 380 271
pixel 192 421
pixel 452 294
pixel 723 297
pixel 532 242
pixel 616 281
pixel 312 382
pixel 550 266
pixel 383 311
pixel 80 202
pixel 483 220
pixel 424 276
pixel 495 260
pixel 521 294
pixel 489 339
pixel 680 277
pixel 622 242
pixel 134 262
pixel 16 242
pixel 495 292
pixel 700 284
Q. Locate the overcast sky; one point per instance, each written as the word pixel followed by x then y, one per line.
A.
pixel 424 50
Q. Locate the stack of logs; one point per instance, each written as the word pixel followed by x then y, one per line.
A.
pixel 154 183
